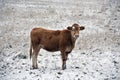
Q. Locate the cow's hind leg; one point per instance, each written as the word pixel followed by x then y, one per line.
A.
pixel 34 60
pixel 34 57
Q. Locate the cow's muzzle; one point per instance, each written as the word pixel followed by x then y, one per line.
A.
pixel 76 36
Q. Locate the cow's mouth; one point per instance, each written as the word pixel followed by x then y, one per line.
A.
pixel 76 36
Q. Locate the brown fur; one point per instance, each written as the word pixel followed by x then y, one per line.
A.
pixel 53 40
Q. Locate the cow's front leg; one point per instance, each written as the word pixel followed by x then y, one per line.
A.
pixel 64 58
pixel 64 65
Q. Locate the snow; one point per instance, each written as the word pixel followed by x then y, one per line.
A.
pixel 96 55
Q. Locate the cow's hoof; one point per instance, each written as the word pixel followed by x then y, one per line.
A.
pixel 35 67
pixel 64 67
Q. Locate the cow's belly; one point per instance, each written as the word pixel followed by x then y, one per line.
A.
pixel 51 43
pixel 51 48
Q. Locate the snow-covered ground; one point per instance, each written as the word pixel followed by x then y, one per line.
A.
pixel 97 52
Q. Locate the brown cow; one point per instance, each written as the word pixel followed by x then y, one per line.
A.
pixel 54 40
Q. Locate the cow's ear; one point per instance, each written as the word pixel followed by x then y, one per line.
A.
pixel 69 28
pixel 82 27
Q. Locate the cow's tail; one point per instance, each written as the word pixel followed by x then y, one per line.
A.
pixel 30 50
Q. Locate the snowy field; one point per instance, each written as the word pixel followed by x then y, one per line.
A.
pixel 97 52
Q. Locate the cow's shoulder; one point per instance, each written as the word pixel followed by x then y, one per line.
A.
pixel 65 38
pixel 56 32
pixel 66 33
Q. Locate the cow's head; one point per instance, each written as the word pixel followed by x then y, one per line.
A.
pixel 75 28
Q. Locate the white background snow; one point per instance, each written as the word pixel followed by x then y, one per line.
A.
pixel 97 52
